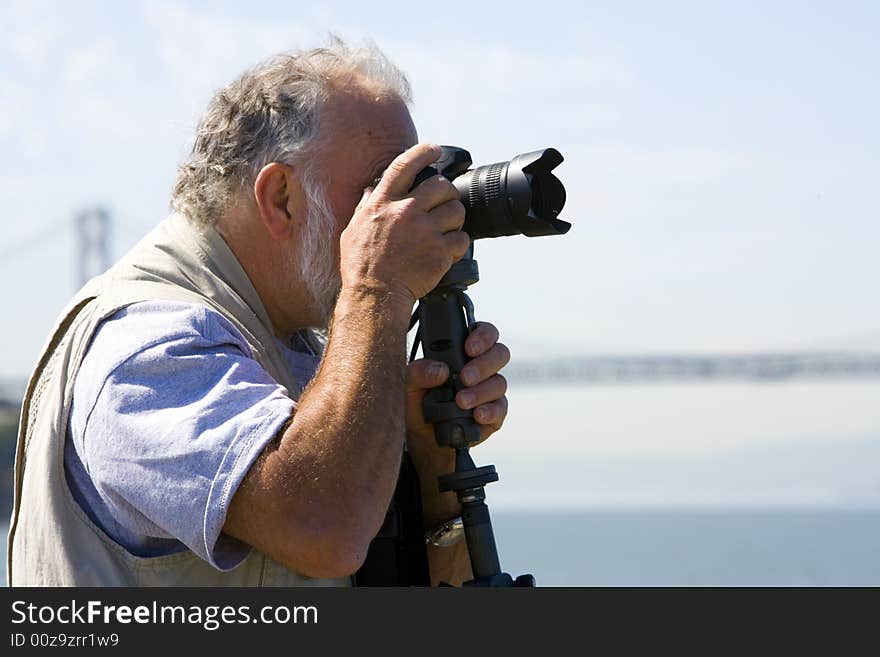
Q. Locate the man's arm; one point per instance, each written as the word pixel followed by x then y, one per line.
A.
pixel 318 495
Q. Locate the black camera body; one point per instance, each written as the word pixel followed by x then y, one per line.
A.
pixel 518 197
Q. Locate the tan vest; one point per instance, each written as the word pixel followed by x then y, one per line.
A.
pixel 52 542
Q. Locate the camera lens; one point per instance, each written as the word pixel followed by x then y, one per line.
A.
pixel 519 197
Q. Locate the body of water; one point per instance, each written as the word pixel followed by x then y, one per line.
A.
pixel 692 548
pixel 689 548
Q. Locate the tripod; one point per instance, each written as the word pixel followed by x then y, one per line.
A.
pixel 445 316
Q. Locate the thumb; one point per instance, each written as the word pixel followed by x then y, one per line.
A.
pixel 424 374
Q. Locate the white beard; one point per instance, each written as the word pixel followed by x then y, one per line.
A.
pixel 317 257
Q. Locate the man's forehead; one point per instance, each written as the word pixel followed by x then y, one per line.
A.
pixel 369 115
pixel 364 133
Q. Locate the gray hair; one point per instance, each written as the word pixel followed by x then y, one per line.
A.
pixel 271 113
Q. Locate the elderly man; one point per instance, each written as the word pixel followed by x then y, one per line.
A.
pixel 189 421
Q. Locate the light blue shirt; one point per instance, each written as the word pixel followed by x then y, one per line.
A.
pixel 170 410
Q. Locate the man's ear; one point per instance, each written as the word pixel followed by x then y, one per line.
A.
pixel 280 200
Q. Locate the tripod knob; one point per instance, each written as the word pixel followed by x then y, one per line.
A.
pixel 468 479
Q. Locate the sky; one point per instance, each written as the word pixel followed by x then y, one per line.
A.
pixel 721 163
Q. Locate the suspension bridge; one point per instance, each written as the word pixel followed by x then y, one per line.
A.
pixel 657 368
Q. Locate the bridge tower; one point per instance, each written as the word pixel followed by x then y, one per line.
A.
pixel 92 243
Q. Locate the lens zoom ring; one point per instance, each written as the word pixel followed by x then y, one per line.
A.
pixel 474 190
pixel 493 182
pixel 488 180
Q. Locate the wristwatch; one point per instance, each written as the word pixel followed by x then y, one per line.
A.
pixel 446 534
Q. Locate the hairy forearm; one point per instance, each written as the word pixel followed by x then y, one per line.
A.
pixel 340 456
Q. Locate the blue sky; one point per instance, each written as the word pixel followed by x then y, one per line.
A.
pixel 722 161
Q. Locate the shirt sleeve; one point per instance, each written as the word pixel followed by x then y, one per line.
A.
pixel 174 429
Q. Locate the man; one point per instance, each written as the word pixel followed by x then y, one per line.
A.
pixel 186 423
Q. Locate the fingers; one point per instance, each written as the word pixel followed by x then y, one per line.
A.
pixel 400 174
pixel 486 392
pixel 497 411
pixel 485 365
pixel 482 338
pixel 435 191
pixel 457 243
pixel 425 373
pixel 449 216
pixel 493 414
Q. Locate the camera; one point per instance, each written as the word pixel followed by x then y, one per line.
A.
pixel 518 197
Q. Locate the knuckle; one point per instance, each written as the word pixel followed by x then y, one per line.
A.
pixel 487 333
pixel 503 352
pixel 487 413
pixel 451 246
pixel 408 205
pixel 372 207
pixel 399 164
pixel 458 209
pixel 475 371
pixel 446 217
pixel 426 187
pixel 439 184
pixel 373 213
